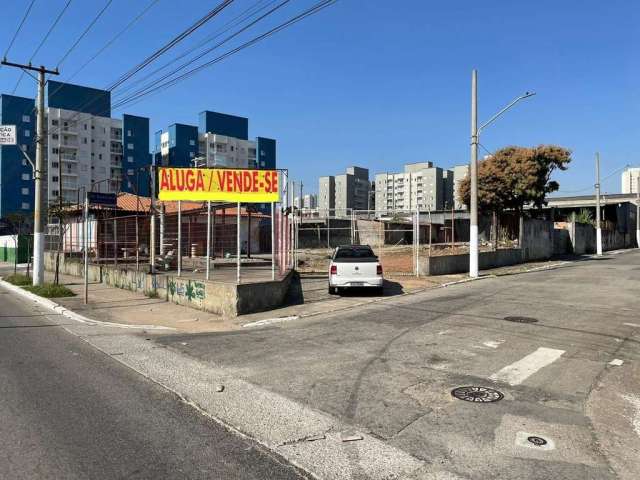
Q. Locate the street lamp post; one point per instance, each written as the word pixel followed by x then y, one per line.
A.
pixel 473 171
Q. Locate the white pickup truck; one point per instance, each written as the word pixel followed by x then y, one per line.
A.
pixel 354 266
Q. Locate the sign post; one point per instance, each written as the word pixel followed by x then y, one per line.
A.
pixel 8 135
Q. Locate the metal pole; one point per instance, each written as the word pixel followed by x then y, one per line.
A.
pixel 137 245
pixel 473 228
pixel 417 240
pixel 115 241
pixel 598 226
pixel 273 239
pixel 152 235
pixel 208 254
pixel 86 248
pixel 453 228
pixel 238 245
pixel 179 237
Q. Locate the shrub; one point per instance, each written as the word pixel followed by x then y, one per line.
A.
pixel 18 279
pixel 50 290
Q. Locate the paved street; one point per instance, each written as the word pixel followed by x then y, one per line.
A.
pixel 389 368
pixel 70 411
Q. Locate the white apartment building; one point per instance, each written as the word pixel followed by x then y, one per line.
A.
pixel 82 150
pixel 630 180
pixel 420 185
pixel 224 151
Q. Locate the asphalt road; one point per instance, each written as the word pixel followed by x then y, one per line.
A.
pixel 390 368
pixel 69 411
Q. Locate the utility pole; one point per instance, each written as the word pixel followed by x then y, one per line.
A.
pixel 38 230
pixel 473 229
pixel 598 227
pixel 638 212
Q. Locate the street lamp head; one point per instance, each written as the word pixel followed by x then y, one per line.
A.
pixel 528 94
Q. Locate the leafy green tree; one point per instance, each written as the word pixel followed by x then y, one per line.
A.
pixel 516 176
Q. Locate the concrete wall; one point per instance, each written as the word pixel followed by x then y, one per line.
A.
pixel 447 264
pixel 226 299
pixel 538 239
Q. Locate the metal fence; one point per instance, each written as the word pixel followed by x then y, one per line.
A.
pixel 400 239
pixel 212 241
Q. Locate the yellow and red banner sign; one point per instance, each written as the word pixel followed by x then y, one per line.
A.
pixel 218 184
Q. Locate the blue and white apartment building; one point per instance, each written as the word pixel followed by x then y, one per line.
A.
pixel 84 147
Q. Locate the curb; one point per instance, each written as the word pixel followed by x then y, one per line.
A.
pixel 61 310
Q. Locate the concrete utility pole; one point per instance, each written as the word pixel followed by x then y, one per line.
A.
pixel 638 212
pixel 598 227
pixel 38 230
pixel 475 141
pixel 473 229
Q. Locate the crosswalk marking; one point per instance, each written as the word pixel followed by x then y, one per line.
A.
pixel 519 371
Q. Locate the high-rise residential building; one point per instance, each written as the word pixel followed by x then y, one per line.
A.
pixel 421 185
pixel 16 175
pixel 460 172
pixel 340 194
pixel 85 148
pixel 219 140
pixel 630 180
pixel 309 202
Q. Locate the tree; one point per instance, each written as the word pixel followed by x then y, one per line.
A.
pixel 516 176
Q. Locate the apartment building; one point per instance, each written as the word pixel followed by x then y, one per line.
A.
pixel 421 185
pixel 85 148
pixel 219 140
pixel 630 180
pixel 309 202
pixel 340 194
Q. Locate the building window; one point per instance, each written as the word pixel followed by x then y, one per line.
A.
pixel 54 193
pixel 84 140
pixel 192 154
pixel 104 144
pixel 130 171
pixel 192 142
pixel 24 162
pixel 26 118
pixel 130 159
pixel 54 164
pixel 26 176
pixel 129 146
pixel 99 156
pixel 54 179
pixel 85 126
pixel 25 191
pixel 55 136
pixel 129 133
pixel 25 205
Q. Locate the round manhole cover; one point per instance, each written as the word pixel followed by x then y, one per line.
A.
pixel 477 394
pixel 517 319
pixel 537 441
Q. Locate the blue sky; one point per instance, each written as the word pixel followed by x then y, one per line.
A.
pixel 380 83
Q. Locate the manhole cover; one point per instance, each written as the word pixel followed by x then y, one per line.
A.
pixel 477 394
pixel 521 319
pixel 537 441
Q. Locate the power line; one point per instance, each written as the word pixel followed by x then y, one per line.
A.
pixel 222 42
pixel 155 55
pixel 53 25
pixel 171 44
pixel 151 88
pixel 24 18
pixel 590 187
pixel 109 43
pixel 248 13
pixel 82 35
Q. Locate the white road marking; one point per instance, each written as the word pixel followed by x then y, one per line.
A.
pixel 634 400
pixel 269 321
pixel 632 325
pixel 493 343
pixel 519 371
pixel 616 362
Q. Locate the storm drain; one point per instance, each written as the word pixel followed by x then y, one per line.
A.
pixel 521 319
pixel 537 441
pixel 477 394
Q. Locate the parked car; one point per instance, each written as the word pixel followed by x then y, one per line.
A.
pixel 355 266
